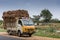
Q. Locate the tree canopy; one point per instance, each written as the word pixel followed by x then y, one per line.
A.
pixel 36 19
pixel 46 14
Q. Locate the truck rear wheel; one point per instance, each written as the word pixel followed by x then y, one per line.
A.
pixel 9 32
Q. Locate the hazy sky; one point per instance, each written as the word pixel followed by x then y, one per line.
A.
pixel 34 7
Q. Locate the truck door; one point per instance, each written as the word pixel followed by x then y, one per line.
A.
pixel 20 25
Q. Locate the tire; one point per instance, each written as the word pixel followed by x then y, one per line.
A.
pixel 10 33
pixel 30 35
pixel 19 34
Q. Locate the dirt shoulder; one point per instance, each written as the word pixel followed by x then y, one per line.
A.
pixel 29 38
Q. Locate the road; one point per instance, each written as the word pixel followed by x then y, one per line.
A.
pixel 5 36
pixel 8 38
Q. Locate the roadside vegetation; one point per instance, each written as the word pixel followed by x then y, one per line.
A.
pixel 48 31
pixel 47 26
pixel 1 26
pixel 45 17
pixel 2 30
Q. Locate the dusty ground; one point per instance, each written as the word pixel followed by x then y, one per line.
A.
pixel 27 38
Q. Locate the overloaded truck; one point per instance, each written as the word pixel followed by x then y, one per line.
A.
pixel 18 22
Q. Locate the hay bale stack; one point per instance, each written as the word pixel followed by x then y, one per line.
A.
pixel 10 16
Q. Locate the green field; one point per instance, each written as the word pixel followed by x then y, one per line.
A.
pixel 47 34
pixel 48 31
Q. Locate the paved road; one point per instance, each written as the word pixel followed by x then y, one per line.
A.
pixel 9 38
pixel 5 36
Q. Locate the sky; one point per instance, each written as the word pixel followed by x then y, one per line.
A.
pixel 34 7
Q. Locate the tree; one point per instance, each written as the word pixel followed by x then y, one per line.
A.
pixel 55 20
pixel 36 19
pixel 46 14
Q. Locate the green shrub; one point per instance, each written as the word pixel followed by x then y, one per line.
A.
pixel 50 29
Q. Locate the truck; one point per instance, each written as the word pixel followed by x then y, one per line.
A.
pixel 18 22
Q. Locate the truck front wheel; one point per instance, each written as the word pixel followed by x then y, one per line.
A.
pixel 30 35
pixel 19 34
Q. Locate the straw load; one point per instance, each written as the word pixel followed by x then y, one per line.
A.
pixel 10 16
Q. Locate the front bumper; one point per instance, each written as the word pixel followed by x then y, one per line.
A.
pixel 29 32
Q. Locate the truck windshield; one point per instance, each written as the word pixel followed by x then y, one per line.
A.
pixel 28 22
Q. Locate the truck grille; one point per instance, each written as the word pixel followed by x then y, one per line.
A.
pixel 30 29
